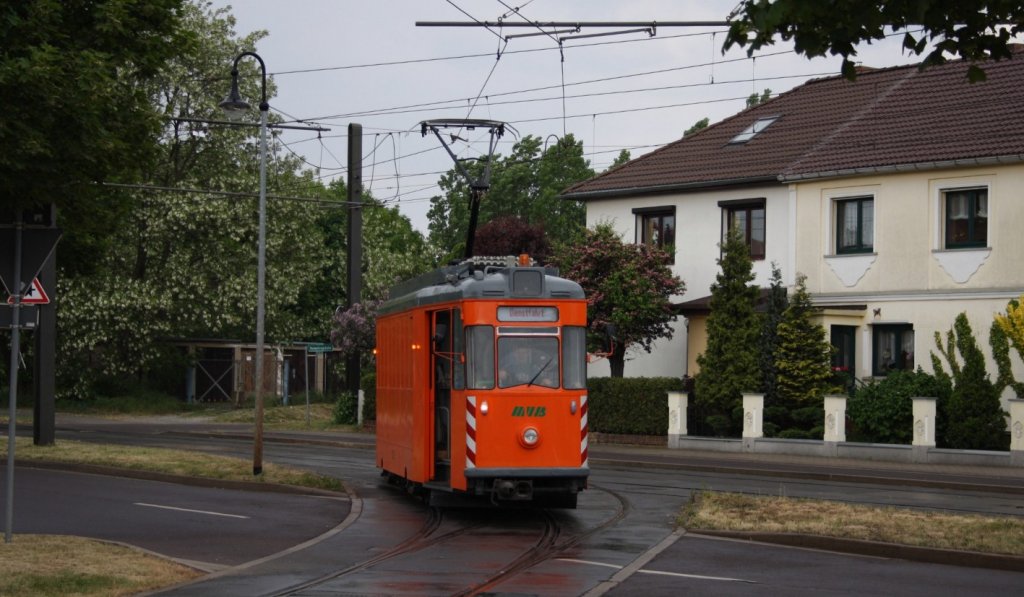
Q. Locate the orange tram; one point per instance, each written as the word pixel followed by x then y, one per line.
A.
pixel 481 384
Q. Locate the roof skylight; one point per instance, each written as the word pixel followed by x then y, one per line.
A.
pixel 751 131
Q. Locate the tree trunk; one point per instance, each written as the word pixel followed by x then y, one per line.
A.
pixel 617 362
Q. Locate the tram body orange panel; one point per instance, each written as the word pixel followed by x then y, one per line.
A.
pixel 403 397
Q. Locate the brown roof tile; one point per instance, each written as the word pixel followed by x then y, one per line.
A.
pixel 887 118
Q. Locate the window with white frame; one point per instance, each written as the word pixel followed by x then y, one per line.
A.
pixel 965 217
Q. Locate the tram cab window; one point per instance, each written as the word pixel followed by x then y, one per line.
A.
pixel 480 357
pixel 527 361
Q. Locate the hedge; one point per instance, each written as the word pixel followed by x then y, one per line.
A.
pixel 630 405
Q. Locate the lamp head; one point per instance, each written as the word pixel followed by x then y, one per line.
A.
pixel 234 106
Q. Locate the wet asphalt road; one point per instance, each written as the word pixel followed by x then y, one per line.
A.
pixel 638 554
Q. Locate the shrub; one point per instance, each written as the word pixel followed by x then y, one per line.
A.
pixel 344 412
pixel 630 405
pixel 882 412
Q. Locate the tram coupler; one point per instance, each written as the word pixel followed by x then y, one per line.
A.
pixel 509 490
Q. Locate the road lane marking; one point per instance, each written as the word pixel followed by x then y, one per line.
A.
pixel 658 572
pixel 192 511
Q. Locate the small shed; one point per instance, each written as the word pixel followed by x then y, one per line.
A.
pixel 225 370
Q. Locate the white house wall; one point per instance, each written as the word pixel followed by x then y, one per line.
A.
pixel 698 218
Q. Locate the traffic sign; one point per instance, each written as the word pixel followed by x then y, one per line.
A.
pixel 319 347
pixel 28 316
pixel 37 245
pixel 35 295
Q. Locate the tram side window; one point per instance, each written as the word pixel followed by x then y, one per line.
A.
pixel 480 357
pixel 574 358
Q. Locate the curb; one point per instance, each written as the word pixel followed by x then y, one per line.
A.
pixel 114 471
pixel 791 474
pixel 931 555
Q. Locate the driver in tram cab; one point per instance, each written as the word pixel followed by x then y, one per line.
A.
pixel 521 366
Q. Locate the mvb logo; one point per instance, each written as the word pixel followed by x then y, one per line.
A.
pixel 529 411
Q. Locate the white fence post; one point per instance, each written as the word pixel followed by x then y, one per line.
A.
pixel 677 403
pixel 753 419
pixel 1017 431
pixel 924 427
pixel 835 423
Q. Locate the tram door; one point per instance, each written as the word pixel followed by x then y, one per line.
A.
pixel 447 329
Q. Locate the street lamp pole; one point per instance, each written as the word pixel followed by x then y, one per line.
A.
pixel 235 106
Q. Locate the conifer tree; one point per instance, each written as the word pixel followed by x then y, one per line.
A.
pixel 777 303
pixel 803 357
pixel 974 418
pixel 728 367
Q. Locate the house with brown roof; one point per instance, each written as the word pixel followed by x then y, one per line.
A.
pixel 899 195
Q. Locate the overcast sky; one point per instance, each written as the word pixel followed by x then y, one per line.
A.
pixel 341 61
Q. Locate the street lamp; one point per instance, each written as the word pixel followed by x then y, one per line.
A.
pixel 234 107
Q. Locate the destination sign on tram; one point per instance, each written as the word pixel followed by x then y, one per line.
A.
pixel 518 313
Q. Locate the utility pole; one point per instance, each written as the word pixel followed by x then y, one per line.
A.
pixel 355 239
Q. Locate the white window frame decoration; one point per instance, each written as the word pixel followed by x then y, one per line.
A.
pixel 849 268
pixel 960 263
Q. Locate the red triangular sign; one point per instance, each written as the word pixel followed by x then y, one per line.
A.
pixel 35 295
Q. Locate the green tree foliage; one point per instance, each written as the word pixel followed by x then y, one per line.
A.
pixel 1012 324
pixel 620 159
pixel 728 366
pixel 1001 355
pixel 183 265
pixel 803 358
pixel 1008 330
pixel 697 126
pixel 76 111
pixel 775 307
pixel 973 416
pixel 756 99
pixel 627 285
pixel 525 184
pixel 972 29
pixel 882 412
pixel 510 235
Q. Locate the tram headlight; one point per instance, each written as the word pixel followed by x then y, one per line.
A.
pixel 530 437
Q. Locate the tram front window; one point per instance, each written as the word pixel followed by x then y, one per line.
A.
pixel 527 361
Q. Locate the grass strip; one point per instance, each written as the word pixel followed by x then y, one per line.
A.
pixel 167 461
pixel 934 529
pixel 51 565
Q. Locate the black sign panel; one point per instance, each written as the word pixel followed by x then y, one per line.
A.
pixel 37 244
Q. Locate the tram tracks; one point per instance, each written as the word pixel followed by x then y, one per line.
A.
pixel 525 543
pixel 548 546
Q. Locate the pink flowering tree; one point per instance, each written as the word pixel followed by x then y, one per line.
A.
pixel 627 285
pixel 354 330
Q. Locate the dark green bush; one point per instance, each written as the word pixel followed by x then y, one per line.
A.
pixel 882 411
pixel 630 405
pixel 344 412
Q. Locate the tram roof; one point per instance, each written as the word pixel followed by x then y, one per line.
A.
pixel 472 281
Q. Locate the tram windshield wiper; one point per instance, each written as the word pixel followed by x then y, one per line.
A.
pixel 537 374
